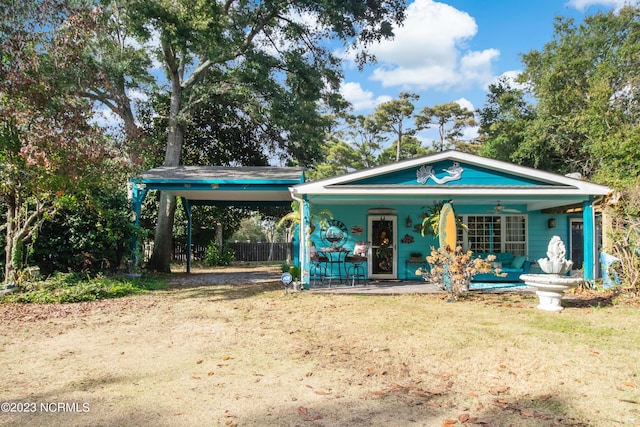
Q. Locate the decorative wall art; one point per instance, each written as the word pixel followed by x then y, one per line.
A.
pixel 426 172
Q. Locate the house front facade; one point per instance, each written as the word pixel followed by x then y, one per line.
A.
pixel 507 209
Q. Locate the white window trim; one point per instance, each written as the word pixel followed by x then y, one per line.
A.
pixel 503 233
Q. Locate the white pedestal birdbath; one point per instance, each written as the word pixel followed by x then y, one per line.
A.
pixel 550 287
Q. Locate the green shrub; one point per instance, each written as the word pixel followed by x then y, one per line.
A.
pixel 284 267
pixel 74 287
pixel 89 234
pixel 292 269
pixel 214 257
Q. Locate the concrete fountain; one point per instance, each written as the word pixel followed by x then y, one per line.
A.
pixel 550 287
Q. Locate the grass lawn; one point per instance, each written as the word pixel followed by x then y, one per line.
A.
pixel 246 354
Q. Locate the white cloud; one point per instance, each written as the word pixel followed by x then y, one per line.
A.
pixel 511 77
pixel 465 103
pixel 470 133
pixel 429 50
pixel 582 5
pixel 361 99
pixel 476 66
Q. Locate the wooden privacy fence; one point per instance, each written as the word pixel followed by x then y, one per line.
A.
pixel 243 251
pixel 262 251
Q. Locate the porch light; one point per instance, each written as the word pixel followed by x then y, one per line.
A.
pixel 551 223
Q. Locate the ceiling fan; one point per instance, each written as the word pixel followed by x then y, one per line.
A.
pixel 499 208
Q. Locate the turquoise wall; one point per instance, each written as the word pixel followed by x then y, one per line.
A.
pixel 356 215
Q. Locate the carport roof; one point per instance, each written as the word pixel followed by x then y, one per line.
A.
pixel 223 184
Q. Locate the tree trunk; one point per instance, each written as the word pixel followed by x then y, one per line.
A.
pixel 398 147
pixel 161 257
pixel 9 268
pixel 163 239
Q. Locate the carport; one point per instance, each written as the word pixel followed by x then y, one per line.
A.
pixel 246 186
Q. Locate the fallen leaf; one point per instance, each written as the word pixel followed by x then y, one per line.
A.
pixel 322 393
pixel 199 362
pixel 499 390
pixel 226 358
pixel 630 384
pixel 420 394
pixel 542 416
pixel 501 403
pixel 449 422
pixel 302 410
pixel 463 418
pixel 210 373
pixel 313 418
pixel 527 414
pixel 195 377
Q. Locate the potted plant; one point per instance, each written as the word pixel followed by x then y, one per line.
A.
pixel 431 220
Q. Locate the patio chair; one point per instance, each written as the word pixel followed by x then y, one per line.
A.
pixel 318 264
pixel 357 260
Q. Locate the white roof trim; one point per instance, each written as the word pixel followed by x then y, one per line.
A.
pixel 331 185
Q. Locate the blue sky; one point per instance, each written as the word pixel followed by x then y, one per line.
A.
pixel 451 50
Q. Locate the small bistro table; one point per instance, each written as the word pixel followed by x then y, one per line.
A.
pixel 336 256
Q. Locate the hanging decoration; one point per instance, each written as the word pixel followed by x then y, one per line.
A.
pixel 407 239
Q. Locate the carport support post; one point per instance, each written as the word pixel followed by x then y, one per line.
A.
pixel 187 209
pixel 301 242
pixel 589 241
pixel 136 192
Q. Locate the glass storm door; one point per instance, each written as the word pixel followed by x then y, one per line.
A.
pixel 577 243
pixel 382 235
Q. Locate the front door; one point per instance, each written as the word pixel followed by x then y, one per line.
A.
pixel 576 243
pixel 384 244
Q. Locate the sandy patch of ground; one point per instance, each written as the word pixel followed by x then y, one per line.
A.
pixel 206 352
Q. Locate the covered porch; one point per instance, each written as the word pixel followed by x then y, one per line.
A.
pixel 509 210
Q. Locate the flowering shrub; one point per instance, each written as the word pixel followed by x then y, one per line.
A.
pixel 453 269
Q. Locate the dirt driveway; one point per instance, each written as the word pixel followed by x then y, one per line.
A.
pixel 207 353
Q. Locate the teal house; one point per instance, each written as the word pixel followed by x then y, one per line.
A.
pixel 509 210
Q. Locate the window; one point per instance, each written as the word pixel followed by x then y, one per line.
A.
pixel 494 233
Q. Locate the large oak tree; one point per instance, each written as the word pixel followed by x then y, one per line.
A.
pixel 276 58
